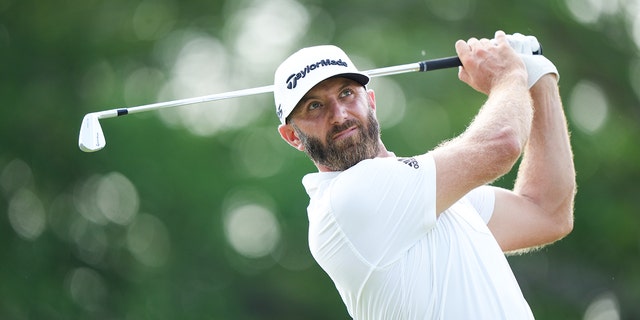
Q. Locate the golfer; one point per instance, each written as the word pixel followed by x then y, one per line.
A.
pixel 425 236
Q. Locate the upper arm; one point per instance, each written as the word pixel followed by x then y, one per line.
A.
pixel 464 164
pixel 519 223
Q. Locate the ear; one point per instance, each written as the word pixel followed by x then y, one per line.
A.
pixel 289 135
pixel 372 98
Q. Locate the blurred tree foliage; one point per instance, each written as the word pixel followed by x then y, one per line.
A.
pixel 199 213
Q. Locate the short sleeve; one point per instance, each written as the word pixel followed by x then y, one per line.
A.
pixel 483 200
pixel 385 205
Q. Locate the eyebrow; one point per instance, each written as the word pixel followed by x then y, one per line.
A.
pixel 346 82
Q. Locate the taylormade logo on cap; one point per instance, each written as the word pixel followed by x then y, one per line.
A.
pixel 292 81
pixel 304 69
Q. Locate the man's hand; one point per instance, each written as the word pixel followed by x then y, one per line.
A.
pixel 488 64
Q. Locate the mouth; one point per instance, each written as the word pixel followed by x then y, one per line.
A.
pixel 345 133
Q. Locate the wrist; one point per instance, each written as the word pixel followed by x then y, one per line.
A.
pixel 514 79
pixel 545 83
pixel 537 67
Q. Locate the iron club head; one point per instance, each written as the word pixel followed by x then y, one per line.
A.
pixel 91 137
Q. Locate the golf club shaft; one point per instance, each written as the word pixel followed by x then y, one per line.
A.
pixel 422 66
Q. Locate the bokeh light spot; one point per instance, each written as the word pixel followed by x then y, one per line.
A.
pixel 142 85
pixel 117 198
pixel 26 214
pixel 107 198
pixel 390 101
pixel 256 154
pixel 603 307
pixel 15 176
pixel 255 28
pixel 201 68
pixel 87 288
pixel 252 230
pixel 635 27
pixel 588 106
pixel 90 239
pixel 585 11
pixel 148 240
pixel 84 199
pixel 634 71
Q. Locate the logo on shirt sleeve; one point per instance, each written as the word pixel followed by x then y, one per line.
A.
pixel 411 162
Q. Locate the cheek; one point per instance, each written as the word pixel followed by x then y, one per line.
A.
pixel 306 131
pixel 364 109
pixel 312 129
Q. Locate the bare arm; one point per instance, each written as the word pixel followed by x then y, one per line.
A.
pixel 494 140
pixel 539 210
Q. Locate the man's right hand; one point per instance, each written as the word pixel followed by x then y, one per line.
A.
pixel 488 64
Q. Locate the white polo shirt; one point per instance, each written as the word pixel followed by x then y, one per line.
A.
pixel 373 229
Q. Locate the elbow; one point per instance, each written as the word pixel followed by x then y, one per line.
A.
pixel 561 229
pixel 566 220
pixel 563 221
pixel 565 226
pixel 491 153
pixel 508 146
pixel 565 216
pixel 512 141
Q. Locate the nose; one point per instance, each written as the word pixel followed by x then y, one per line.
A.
pixel 338 112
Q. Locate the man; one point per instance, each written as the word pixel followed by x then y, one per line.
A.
pixel 424 237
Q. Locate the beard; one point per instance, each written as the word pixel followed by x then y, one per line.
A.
pixel 345 153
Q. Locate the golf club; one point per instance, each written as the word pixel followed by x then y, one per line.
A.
pixel 92 138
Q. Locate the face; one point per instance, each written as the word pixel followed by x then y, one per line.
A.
pixel 335 124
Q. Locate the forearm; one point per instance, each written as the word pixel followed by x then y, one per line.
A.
pixel 488 149
pixel 503 78
pixel 507 108
pixel 546 175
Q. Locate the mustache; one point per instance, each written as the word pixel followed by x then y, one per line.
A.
pixel 341 127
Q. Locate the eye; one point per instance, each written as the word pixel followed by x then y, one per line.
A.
pixel 346 92
pixel 314 105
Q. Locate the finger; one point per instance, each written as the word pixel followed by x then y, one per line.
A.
pixel 533 43
pixel 462 48
pixel 500 37
pixel 462 74
pixel 486 42
pixel 462 44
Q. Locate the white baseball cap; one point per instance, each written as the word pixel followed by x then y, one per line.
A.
pixel 306 68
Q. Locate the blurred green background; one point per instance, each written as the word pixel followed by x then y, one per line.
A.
pixel 198 212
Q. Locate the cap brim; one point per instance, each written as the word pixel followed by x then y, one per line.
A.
pixel 357 77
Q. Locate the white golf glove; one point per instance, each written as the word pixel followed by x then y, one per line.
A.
pixel 537 64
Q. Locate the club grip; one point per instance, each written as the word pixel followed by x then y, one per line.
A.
pixel 450 62
pixel 441 63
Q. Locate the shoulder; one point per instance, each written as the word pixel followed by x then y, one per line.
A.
pixel 373 172
pixel 394 164
pixel 372 181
